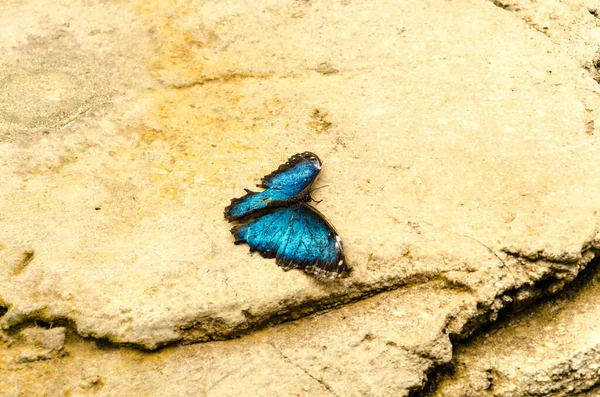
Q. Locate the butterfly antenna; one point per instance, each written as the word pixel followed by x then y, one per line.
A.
pixel 317 188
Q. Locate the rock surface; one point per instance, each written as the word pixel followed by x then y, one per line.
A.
pixel 379 346
pixel 553 349
pixel 33 344
pixel 459 148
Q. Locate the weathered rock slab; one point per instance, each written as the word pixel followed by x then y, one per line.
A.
pixel 552 350
pixel 381 346
pixel 457 153
pixel 466 159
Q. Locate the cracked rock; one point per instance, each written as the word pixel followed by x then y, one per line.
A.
pixel 461 165
pixel 383 345
pixel 114 222
pixel 33 344
pixel 552 350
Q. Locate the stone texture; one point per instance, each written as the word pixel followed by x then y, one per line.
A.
pixel 591 393
pixel 574 26
pixel 457 148
pixel 33 344
pixel 552 350
pixel 122 211
pixel 379 346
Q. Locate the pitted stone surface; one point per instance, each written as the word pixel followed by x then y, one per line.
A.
pixel 31 344
pixel 122 211
pixel 380 346
pixel 456 146
pixel 58 65
pixel 552 350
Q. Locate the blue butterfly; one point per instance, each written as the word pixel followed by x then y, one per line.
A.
pixel 284 226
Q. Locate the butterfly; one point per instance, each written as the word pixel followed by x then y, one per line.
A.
pixel 284 226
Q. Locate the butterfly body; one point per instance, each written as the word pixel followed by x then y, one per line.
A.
pixel 284 226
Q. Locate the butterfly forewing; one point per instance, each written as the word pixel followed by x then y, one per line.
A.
pixel 289 184
pixel 253 203
pixel 295 175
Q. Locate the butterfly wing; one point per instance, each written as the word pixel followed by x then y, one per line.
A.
pixel 290 182
pixel 295 175
pixel 298 237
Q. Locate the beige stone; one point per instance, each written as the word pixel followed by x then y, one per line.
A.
pixel 122 211
pixel 380 346
pixel 591 393
pixel 33 344
pixel 457 153
pixel 552 350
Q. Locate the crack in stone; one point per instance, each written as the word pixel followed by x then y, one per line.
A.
pixel 486 314
pixel 74 118
pixel 221 379
pixel 324 68
pixel 510 7
pixel 27 258
pixel 320 381
pixel 319 305
pixel 437 373
pixel 504 5
pixel 591 67
pixel 190 333
pixel 591 391
pixel 196 333
pixel 223 77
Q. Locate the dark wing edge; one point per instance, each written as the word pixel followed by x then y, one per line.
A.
pixel 322 269
pixel 228 211
pixel 328 271
pixel 291 163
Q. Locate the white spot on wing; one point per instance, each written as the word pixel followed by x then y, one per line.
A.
pixel 338 244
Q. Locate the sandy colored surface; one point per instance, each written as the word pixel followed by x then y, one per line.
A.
pixel 461 165
pixel 553 349
pixel 375 347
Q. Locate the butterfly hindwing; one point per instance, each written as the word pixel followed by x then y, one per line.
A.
pixel 288 184
pixel 266 233
pixel 298 237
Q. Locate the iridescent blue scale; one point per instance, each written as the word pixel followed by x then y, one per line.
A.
pixel 284 226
